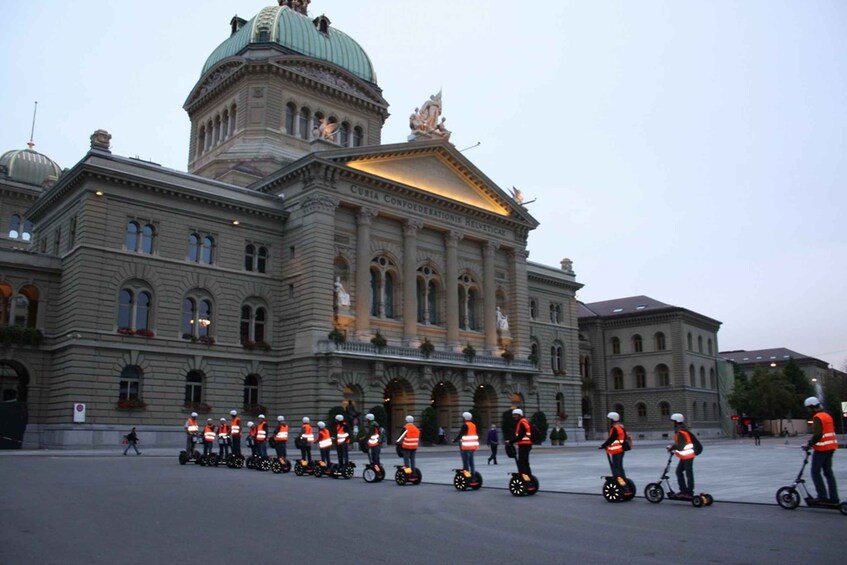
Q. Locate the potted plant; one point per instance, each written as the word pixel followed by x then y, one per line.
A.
pixel 337 336
pixel 199 407
pixel 469 352
pixel 426 348
pixel 379 341
pixel 131 404
pixel 507 355
pixel 429 426
pixel 254 409
pixel 206 340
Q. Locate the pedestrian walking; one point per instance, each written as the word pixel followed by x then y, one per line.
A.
pixel 493 439
pixel 757 435
pixel 131 439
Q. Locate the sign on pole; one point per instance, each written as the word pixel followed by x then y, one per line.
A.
pixel 579 421
pixel 79 413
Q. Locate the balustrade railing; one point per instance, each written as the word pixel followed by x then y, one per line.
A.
pixel 407 353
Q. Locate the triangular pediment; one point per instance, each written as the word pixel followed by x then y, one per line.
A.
pixel 433 173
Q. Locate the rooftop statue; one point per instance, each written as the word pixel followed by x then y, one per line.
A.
pixel 325 130
pixel 424 121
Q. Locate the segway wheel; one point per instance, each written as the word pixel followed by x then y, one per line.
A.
pixel 239 462
pixel 654 493
pixel 612 491
pixel 709 499
pixel 477 482
pixel 697 501
pixel 203 461
pixel 319 471
pixel 843 508
pixel 533 485
pixel 264 465
pixel 196 455
pixel 380 474
pixel 369 474
pixel 460 481
pixel 298 469
pixel 416 477
pixel 788 498
pixel 183 458
pixel 629 493
pixel 276 467
pixel 517 487
pixel 400 477
pixel 348 471
pixel 286 466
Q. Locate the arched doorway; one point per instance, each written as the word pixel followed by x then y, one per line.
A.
pixel 399 401
pixel 14 381
pixel 353 398
pixel 586 417
pixel 485 406
pixel 445 400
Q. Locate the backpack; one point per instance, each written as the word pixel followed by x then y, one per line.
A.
pixel 627 442
pixel 535 434
pixel 698 447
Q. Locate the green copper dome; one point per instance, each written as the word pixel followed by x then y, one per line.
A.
pixel 28 166
pixel 297 32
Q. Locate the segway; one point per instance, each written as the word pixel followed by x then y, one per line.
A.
pixel 235 461
pixel 523 485
pixel 789 497
pixel 280 465
pixel 403 478
pixel 617 489
pixel 303 467
pixel 655 492
pixel 464 480
pixel 321 469
pixel 337 471
pixel 373 473
pixel 194 456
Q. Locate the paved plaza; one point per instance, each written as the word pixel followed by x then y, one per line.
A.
pixel 92 507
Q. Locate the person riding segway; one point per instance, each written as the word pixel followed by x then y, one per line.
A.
pixel 304 441
pixel 236 460
pixel 263 463
pixel 467 477
pixel 209 437
pixel 372 438
pixel 617 487
pixel 522 483
pixel 281 464
pixel 192 429
pixel 344 468
pixel 408 441
pixel 324 445
pixel 223 442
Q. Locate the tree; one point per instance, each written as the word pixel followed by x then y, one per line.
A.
pixel 539 420
pixel 379 415
pixel 429 426
pixel 801 385
pixel 741 396
pixel 772 395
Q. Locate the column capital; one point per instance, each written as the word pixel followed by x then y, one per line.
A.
pixel 365 215
pixel 411 227
pixel 320 203
pixel 452 237
pixel 491 246
pixel 518 254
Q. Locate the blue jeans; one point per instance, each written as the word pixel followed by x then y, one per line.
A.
pixel 616 463
pixel 132 445
pixel 263 448
pixel 281 449
pixel 409 458
pixel 685 476
pixel 467 461
pixel 236 445
pixel 341 451
pixel 822 462
pixel 373 455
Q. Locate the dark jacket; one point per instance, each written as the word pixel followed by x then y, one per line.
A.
pixel 493 438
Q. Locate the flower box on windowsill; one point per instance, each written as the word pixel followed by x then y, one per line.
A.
pixel 142 333
pixel 131 404
pixel 206 340
pixel 251 345
pixel 199 407
pixel 254 409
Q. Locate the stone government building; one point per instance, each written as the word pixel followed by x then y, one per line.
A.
pixel 145 293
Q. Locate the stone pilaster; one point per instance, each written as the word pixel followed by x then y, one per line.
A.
pixel 519 304
pixel 410 294
pixel 489 300
pixel 363 271
pixel 451 287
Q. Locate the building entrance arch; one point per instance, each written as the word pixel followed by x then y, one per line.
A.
pixel 14 381
pixel 485 406
pixel 445 401
pixel 399 401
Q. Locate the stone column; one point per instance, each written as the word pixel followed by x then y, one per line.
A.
pixel 451 287
pixel 519 304
pixel 489 296
pixel 363 271
pixel 410 291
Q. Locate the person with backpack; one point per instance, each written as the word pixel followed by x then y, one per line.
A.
pixel 470 442
pixel 522 438
pixel 131 439
pixel 616 444
pixel 823 444
pixel 373 437
pixel 686 447
pixel 408 441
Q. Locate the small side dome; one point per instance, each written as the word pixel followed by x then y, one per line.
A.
pixel 28 166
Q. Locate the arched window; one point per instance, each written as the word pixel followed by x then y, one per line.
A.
pixel 233 118
pixel 25 307
pixel 664 409
pixel 344 134
pixel 700 344
pixel 131 238
pixel 303 123
pixel 689 342
pixel 358 136
pixel 208 250
pixel 619 409
pixel 249 256
pixel 251 390
pixel 557 358
pixel 660 341
pixel 196 317
pixel 712 383
pixel 193 247
pixel 253 324
pixel 468 302
pixel 641 408
pixel 201 141
pixel 427 290
pixel 709 346
pixel 217 130
pixel 27 233
pixel 702 377
pixel 193 387
pixel 261 259
pixel 640 377
pixel 694 412
pixel 556 313
pixel 692 376
pixel 533 353
pixel 663 375
pixel 617 379
pixel 210 135
pixel 533 309
pixel 383 276
pixel 637 344
pixel 316 120
pixel 130 382
pixel 616 346
pixel 225 125
pixel 148 234
pixel 133 309
pixel 560 404
pixel 15 227
pixel 290 118
pixel 139 239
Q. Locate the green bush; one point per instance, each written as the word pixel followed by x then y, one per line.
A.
pixel 333 412
pixel 429 426
pixel 539 419
pixel 380 416
pixel 508 425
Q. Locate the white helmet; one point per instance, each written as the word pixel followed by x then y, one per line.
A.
pixel 467 415
pixel 208 420
pixel 812 401
pixel 233 412
pixel 223 419
pixel 280 418
pixel 250 424
pixel 678 418
pixel 306 420
pixel 339 417
pixel 517 411
pixel 321 425
pixel 194 414
pixel 614 416
pixel 369 417
pixel 410 419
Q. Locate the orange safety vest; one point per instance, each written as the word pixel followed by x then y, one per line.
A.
pixel 828 441
pixel 341 434
pixel 687 452
pixel 373 440
pixel 209 433
pixel 412 437
pixel 307 433
pixel 236 426
pixel 261 431
pixel 324 439
pixel 254 431
pixel 525 437
pixel 281 432
pixel 223 430
pixel 191 426
pixel 616 446
pixel 470 441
